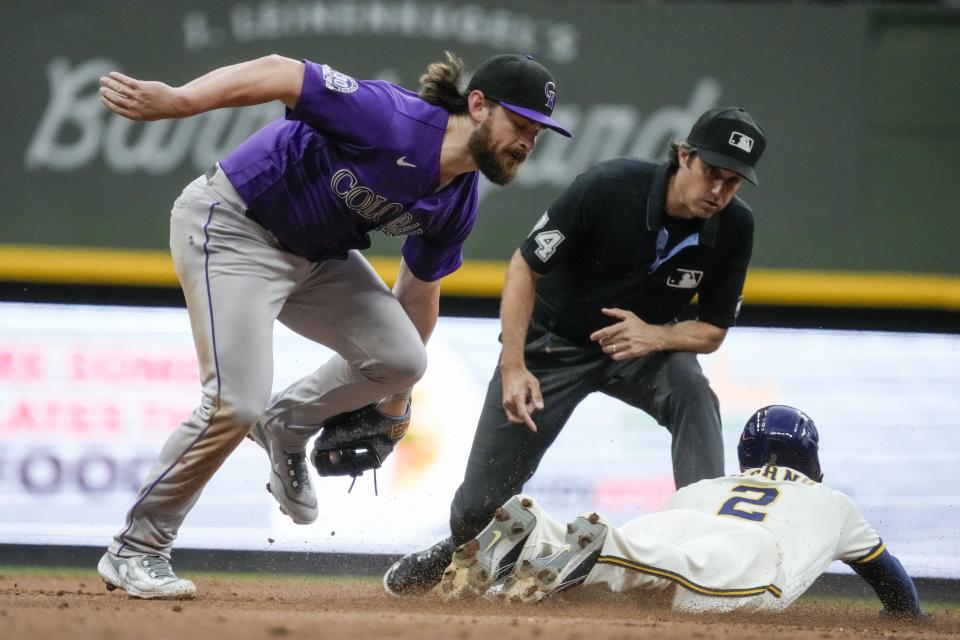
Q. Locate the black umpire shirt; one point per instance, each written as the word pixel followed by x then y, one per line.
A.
pixel 607 242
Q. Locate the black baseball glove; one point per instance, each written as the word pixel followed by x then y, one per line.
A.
pixel 357 441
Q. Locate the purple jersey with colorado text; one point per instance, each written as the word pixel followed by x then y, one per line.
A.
pixel 352 157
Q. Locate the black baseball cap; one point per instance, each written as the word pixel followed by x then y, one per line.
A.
pixel 729 137
pixel 522 85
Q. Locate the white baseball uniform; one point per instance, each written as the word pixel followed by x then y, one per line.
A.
pixel 753 541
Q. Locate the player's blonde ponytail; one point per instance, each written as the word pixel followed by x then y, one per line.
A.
pixel 440 85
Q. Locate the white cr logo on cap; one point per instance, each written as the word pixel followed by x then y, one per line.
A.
pixel 550 91
pixel 741 141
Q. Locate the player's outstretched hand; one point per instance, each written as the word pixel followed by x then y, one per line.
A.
pixel 139 99
pixel 521 395
pixel 629 337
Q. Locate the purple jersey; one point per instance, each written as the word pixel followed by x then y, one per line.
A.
pixel 351 157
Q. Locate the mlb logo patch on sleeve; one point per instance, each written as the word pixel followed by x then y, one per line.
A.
pixel 685 279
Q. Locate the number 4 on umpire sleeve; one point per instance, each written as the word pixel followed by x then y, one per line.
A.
pixel 547 243
pixel 761 497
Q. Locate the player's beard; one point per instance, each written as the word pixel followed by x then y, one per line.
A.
pixel 491 164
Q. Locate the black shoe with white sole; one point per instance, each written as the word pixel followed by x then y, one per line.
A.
pixel 418 573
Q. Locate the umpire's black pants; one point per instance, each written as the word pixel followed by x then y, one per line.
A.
pixel 670 386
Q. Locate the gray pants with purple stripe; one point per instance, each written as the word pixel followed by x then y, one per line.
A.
pixel 237 281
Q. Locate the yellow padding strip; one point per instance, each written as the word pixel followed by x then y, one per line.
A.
pixel 22 263
pixel 852 289
pixel 484 278
pixel 86 266
pixel 687 584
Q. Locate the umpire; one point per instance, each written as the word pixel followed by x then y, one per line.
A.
pixel 590 303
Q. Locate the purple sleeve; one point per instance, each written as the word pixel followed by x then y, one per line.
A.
pixel 358 111
pixel 430 262
pixel 432 257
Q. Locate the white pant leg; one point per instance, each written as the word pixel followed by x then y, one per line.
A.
pixel 715 564
pixel 345 305
pixel 235 280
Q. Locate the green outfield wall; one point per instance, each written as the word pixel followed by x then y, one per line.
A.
pixel 860 104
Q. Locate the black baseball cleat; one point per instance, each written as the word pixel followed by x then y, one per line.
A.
pixel 418 573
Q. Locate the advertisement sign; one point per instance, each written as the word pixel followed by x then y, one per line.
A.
pixel 89 394
pixel 630 77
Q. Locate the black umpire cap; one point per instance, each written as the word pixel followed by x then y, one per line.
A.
pixel 729 137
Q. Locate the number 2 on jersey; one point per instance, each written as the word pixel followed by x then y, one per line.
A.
pixel 737 506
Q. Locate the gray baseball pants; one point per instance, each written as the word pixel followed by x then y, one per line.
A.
pixel 237 280
pixel 669 385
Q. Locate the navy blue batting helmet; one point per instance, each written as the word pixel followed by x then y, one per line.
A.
pixel 781 436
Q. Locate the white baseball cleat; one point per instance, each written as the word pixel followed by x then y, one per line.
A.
pixel 289 479
pixel 535 579
pixel 146 576
pixel 477 563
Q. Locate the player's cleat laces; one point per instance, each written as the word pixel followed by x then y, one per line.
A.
pixel 297 470
pixel 289 479
pixel 158 567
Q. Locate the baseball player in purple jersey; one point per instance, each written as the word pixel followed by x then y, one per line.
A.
pixel 273 232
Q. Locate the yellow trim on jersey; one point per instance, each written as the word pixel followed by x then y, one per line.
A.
pixel 774 590
pixel 872 555
pixel 484 278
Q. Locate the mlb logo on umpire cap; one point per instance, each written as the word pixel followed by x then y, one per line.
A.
pixel 729 138
pixel 741 141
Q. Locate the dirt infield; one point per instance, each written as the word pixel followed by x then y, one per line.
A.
pixel 77 607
